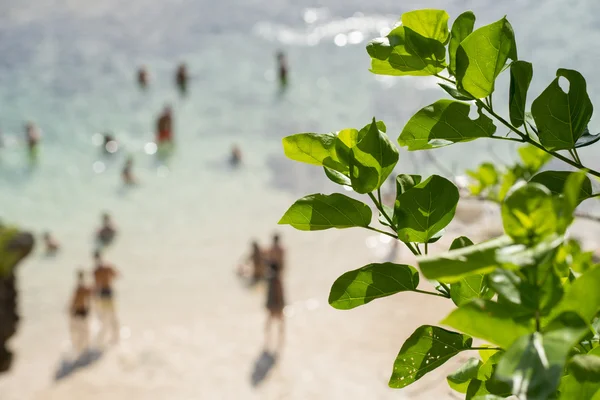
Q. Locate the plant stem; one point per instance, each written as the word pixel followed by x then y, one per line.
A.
pixel 418 249
pixel 382 232
pixel 507 138
pixel 446 288
pixel 431 293
pixel 576 155
pixel 379 196
pixel 426 249
pixel 485 348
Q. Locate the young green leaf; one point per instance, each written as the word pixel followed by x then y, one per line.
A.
pixel 555 182
pixel 345 141
pixel 372 160
pixel 534 364
pixel 587 139
pixel 582 296
pixel 533 158
pixel 469 288
pixel 425 350
pixel 482 55
pixel 461 242
pixel 521 73
pixel 462 27
pixel 528 214
pixel 455 93
pixel 318 211
pixel 459 380
pixel 310 148
pixel 406 182
pixel 442 123
pixel 337 177
pixel 425 209
pixel 570 389
pixel 432 24
pixel 561 118
pixel 373 281
pixel 485 177
pixel 487 320
pixel 586 367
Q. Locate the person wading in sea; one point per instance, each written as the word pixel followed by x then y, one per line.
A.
pixel 104 276
pixel 79 312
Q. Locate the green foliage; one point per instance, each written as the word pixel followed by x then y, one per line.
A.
pixel 442 123
pixel 532 292
pixel 318 211
pixel 561 118
pixel 425 209
pixel 425 350
pixel 373 281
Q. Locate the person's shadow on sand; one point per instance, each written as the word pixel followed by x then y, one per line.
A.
pixel 262 366
pixel 67 367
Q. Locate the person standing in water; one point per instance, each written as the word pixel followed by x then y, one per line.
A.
pixel 107 232
pixel 127 173
pixel 181 78
pixel 164 127
pixel 32 136
pixel 104 276
pixel 276 254
pixel 275 303
pixel 142 77
pixel 79 311
pixel 282 69
pixel 236 156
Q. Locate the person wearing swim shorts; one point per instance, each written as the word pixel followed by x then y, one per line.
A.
pixel 164 127
pixel 104 276
pixel 79 311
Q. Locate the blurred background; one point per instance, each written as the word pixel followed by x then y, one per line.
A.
pixel 190 327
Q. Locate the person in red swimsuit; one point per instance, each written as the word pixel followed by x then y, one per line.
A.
pixel 164 127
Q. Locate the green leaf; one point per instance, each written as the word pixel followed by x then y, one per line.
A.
pixel 455 93
pixel 462 27
pixel 425 350
pixel 459 379
pixel 587 139
pixel 346 140
pixel 509 178
pixel 337 177
pixel 571 389
pixel 521 73
pixel 318 211
pixel 432 24
pixel 555 182
pixel 406 182
pixel 490 360
pixel 426 209
pixel 372 160
pixel 482 55
pixel 533 158
pixel 534 364
pixel 461 242
pixel 406 52
pixel 469 288
pixel 582 296
pixel 442 123
pixel 528 214
pixel 483 258
pixel 561 118
pixel 310 148
pixel 486 177
pixel 487 320
pixel 586 367
pixel 373 281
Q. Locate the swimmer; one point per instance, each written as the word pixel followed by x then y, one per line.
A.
pixel 164 127
pixel 282 69
pixel 106 234
pixel 181 78
pixel 142 77
pixel 78 312
pixel 236 156
pixel 104 276
pixel 52 245
pixel 127 174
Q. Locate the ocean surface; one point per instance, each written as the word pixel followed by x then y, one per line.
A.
pixel 70 66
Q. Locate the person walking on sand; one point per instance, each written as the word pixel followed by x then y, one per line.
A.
pixel 275 303
pixel 107 232
pixel 276 254
pixel 79 311
pixel 164 127
pixel 104 275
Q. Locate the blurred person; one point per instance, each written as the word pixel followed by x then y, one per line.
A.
pixel 164 127
pixel 79 311
pixel 276 254
pixel 51 244
pixel 275 303
pixel 236 156
pixel 256 261
pixel 142 77
pixel 32 136
pixel 181 78
pixel 110 145
pixel 127 173
pixel 282 68
pixel 107 232
pixel 104 276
